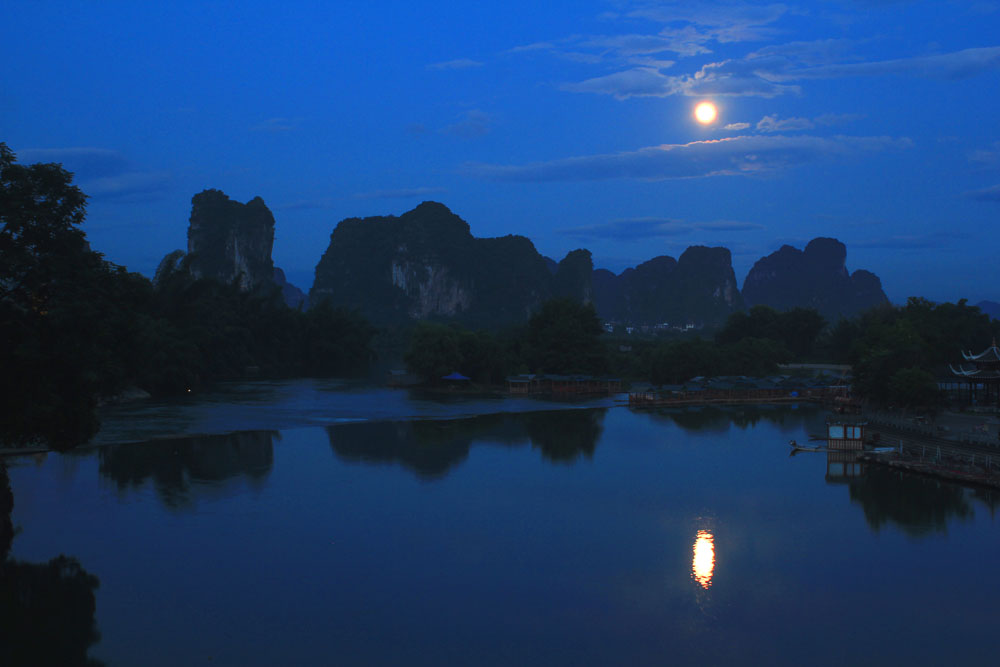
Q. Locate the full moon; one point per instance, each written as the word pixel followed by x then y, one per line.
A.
pixel 705 113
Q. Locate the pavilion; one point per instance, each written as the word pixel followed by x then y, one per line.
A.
pixel 983 378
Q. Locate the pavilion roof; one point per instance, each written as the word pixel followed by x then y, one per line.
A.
pixel 976 373
pixel 989 355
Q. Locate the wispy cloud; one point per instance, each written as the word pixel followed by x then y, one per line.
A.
pixel 955 65
pixel 730 226
pixel 774 124
pixel 650 82
pixel 309 204
pixel 639 229
pixel 986 194
pixel 636 82
pixel 986 157
pixel 321 203
pixel 85 162
pixel 695 25
pixel 129 186
pixel 474 123
pixel 905 242
pixel 769 72
pixel 401 193
pixel 740 155
pixel 103 173
pixel 460 63
pixel 833 119
pixel 276 125
pixel 630 229
pixel 736 127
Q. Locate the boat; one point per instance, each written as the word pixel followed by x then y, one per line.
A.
pixel 796 447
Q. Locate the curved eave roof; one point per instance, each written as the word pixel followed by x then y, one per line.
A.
pixel 977 373
pixel 989 355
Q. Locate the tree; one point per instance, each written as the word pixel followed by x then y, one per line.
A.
pixel 434 351
pixel 797 328
pixel 914 387
pixel 563 337
pixel 51 283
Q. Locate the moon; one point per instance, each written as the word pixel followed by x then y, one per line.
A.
pixel 705 113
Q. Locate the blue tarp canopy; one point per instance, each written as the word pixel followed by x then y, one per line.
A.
pixel 454 376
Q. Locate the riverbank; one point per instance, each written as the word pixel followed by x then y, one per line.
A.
pixel 952 446
pixel 970 475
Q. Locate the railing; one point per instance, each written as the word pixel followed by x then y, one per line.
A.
pixel 926 430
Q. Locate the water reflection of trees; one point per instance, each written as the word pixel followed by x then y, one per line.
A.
pixel 174 466
pixel 431 448
pixel 46 609
pixel 918 505
pixel 711 418
pixel 566 435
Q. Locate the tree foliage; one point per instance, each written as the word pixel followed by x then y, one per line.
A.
pixel 797 328
pixel 437 350
pixel 563 337
pixel 894 350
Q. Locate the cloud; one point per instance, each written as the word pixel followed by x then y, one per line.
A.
pixel 740 155
pixel 630 45
pixel 129 186
pixel 730 226
pixel 460 63
pixel 309 204
pixel 714 80
pixel 474 123
pixel 986 157
pixel 536 46
pixel 334 202
pixel 986 194
pixel 636 82
pixel 103 173
pixel 907 242
pixel 84 162
pixel 719 22
pixel 774 124
pixel 651 62
pixel 276 125
pixel 402 193
pixel 638 229
pixel 832 119
pixel 815 52
pixel 770 72
pixel 956 65
pixel 650 82
pixel 735 127
pixel 630 229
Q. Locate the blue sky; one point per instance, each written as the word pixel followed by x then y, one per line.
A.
pixel 568 122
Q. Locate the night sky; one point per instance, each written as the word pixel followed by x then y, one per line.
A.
pixel 571 123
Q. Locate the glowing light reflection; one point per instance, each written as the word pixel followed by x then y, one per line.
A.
pixel 704 558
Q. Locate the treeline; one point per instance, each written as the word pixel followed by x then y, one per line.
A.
pixel 898 354
pixel 563 337
pixel 76 329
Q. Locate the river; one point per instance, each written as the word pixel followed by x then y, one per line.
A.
pixel 329 523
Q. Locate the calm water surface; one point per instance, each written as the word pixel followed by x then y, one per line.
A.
pixel 560 537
